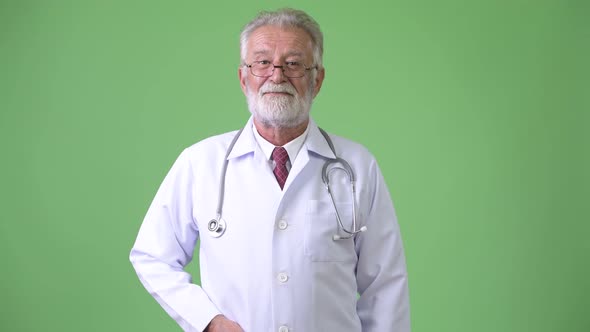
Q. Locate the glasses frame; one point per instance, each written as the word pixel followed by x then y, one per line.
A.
pixel 306 69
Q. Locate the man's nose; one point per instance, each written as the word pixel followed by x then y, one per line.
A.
pixel 278 76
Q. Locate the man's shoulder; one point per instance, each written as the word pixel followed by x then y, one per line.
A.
pixel 347 147
pixel 212 144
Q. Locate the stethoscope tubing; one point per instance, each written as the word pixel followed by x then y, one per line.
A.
pixel 223 172
pixel 218 226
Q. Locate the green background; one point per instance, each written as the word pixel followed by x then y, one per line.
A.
pixel 478 112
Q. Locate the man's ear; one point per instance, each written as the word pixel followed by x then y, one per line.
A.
pixel 319 79
pixel 242 79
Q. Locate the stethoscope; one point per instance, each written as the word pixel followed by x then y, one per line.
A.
pixel 217 226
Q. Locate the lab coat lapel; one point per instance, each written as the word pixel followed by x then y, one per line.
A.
pixel 246 144
pixel 315 143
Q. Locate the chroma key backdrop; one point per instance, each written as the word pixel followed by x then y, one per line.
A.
pixel 477 111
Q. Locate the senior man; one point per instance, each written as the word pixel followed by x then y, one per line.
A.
pixel 278 252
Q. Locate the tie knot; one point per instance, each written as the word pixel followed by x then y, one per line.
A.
pixel 280 155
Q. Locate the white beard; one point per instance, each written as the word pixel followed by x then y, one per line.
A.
pixel 279 111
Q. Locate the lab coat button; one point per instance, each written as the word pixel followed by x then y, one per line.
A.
pixel 283 277
pixel 283 225
pixel 283 329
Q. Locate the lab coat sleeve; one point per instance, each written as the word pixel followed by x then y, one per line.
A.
pixel 382 281
pixel 164 246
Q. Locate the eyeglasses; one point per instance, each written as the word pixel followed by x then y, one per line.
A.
pixel 291 69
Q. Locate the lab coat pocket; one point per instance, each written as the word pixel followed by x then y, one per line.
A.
pixel 320 227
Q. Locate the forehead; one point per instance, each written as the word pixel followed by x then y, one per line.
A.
pixel 274 40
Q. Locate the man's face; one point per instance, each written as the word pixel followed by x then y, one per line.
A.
pixel 279 101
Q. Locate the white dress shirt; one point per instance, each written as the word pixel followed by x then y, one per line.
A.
pixel 292 147
pixel 276 267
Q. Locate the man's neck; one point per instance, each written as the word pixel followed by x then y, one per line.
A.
pixel 280 136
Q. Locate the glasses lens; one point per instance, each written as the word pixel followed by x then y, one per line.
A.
pixel 294 69
pixel 261 69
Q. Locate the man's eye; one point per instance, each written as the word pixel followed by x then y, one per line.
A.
pixel 293 64
pixel 264 62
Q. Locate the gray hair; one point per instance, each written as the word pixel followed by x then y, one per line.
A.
pixel 286 18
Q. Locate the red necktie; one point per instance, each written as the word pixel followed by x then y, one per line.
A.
pixel 280 156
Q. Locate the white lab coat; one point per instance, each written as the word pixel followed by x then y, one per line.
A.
pixel 276 268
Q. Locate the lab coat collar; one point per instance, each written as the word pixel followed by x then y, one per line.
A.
pixel 246 143
pixel 315 142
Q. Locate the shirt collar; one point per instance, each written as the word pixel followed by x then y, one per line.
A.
pixel 312 140
pixel 293 147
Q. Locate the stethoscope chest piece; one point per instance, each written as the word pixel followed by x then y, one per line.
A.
pixel 216 227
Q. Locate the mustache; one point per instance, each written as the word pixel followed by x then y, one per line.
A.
pixel 281 88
